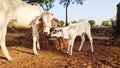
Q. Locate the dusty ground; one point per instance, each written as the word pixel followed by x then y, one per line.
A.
pixel 20 49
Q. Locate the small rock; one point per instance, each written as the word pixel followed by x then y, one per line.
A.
pixel 84 64
pixel 89 66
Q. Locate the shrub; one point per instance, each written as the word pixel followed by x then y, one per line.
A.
pixel 73 21
pixel 113 22
pixel 92 22
pixel 61 23
pixel 105 23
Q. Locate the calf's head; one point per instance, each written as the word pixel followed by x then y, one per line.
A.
pixel 57 32
pixel 61 32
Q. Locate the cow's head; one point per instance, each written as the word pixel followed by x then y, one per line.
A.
pixel 48 19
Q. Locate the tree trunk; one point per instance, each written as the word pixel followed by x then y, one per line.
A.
pixel 116 32
pixel 66 23
pixel 68 3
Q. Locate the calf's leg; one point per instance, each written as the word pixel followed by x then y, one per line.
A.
pixel 70 47
pixel 82 41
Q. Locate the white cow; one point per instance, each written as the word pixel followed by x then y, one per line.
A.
pixel 17 10
pixel 72 31
pixel 41 23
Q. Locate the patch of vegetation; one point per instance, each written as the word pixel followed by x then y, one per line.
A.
pixel 92 22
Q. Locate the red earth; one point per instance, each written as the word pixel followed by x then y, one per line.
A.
pixel 20 48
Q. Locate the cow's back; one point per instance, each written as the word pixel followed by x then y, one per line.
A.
pixel 84 27
pixel 84 24
pixel 79 27
pixel 7 8
pixel 18 10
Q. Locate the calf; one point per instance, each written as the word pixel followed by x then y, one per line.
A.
pixel 72 31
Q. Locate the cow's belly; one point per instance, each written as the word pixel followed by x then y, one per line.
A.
pixel 24 15
pixel 25 20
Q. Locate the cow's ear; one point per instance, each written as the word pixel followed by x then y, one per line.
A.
pixel 55 20
pixel 40 20
pixel 40 26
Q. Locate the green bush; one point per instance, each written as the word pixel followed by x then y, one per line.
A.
pixel 73 21
pixel 61 23
pixel 113 22
pixel 92 22
pixel 105 23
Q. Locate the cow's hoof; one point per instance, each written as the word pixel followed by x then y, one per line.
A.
pixel 39 49
pixel 79 49
pixel 35 53
pixel 92 50
pixel 9 59
pixel 70 54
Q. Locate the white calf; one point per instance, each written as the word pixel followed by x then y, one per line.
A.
pixel 77 29
pixel 40 23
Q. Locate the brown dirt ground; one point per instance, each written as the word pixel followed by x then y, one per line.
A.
pixel 20 49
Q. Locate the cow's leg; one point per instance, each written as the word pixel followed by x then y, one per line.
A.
pixel 82 41
pixel 3 44
pixel 91 40
pixel 38 45
pixel 34 39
